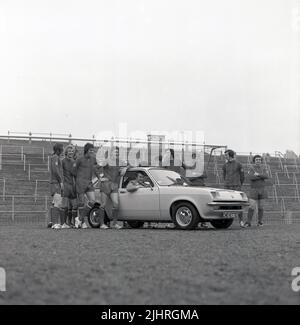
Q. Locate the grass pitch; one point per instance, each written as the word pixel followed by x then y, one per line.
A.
pixel 145 266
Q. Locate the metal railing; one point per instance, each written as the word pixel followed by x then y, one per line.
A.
pixel 249 162
pixel 4 189
pixel 31 170
pixel 282 207
pixel 41 152
pixel 113 140
pixel 279 154
pixel 216 173
pixel 295 181
pixel 266 166
pixel 277 182
pixel 275 194
pixel 296 162
pixel 1 157
pixel 270 171
pixel 286 171
pixel 36 183
pixel 36 187
pixel 14 204
pixel 280 163
pixel 290 173
pixel 30 135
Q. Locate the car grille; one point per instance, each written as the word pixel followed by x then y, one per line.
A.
pixel 230 207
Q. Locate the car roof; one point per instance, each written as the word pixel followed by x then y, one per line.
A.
pixel 135 169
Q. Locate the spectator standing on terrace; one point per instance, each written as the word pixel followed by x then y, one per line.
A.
pixel 56 187
pixel 258 176
pixel 233 175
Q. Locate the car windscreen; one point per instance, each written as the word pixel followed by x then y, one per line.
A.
pixel 165 177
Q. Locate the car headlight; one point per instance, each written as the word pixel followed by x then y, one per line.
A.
pixel 215 195
pixel 244 196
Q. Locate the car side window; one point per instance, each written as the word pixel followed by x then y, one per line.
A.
pixel 130 176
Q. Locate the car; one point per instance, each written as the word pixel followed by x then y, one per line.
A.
pixel 168 197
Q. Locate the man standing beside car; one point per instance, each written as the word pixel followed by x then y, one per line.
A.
pixel 234 176
pixel 86 167
pixel 110 176
pixel 258 179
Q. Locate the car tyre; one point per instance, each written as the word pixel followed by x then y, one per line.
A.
pixel 222 223
pixel 185 216
pixel 93 218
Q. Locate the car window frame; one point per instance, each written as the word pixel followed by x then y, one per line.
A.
pixel 152 183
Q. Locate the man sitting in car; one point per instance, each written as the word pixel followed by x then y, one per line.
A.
pixel 137 183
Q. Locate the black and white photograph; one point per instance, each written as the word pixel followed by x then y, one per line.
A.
pixel 149 155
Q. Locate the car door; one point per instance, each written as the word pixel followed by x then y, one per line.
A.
pixel 142 204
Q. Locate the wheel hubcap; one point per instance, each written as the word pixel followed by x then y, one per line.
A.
pixel 184 216
pixel 95 218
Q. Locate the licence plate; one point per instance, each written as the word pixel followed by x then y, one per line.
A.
pixel 230 215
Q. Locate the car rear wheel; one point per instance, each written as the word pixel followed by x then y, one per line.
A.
pixel 185 216
pixel 135 224
pixel 222 224
pixel 93 218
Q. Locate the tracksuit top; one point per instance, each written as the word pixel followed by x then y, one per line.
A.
pixel 233 173
pixel 85 169
pixel 69 170
pixel 56 172
pixel 257 182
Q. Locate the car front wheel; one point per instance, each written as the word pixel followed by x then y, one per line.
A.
pixel 185 216
pixel 222 224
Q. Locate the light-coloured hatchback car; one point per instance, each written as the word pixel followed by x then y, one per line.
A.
pixel 168 197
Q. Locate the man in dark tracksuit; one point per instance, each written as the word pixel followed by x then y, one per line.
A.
pixel 233 175
pixel 258 176
pixel 56 187
pixel 69 203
